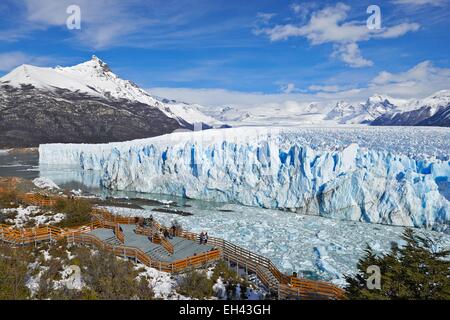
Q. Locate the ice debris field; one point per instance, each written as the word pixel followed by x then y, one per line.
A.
pixel 313 246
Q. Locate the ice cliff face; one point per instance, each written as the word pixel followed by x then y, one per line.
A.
pixel 366 175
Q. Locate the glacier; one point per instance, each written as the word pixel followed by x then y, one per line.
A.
pixel 395 176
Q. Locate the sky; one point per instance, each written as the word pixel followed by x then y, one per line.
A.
pixel 217 52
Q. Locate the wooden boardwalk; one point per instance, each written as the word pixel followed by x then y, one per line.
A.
pixel 124 237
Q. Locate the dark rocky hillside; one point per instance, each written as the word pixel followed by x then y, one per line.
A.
pixel 29 117
pixel 419 117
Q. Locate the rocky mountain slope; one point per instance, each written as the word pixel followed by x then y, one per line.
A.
pixel 431 111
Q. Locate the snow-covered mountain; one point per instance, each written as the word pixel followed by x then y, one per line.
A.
pixel 377 109
pixel 95 78
pixel 431 111
pixel 231 114
pixel 85 103
pixel 362 113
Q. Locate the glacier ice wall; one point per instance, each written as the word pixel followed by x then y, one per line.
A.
pixel 300 170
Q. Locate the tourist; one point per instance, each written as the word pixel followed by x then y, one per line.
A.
pixel 205 238
pixel 174 230
pixel 202 235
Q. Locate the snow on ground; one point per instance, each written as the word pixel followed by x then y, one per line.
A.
pixel 163 283
pixel 70 278
pixel 28 214
pixel 310 245
pixel 45 183
pixel 219 289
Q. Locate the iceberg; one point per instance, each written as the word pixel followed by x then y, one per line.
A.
pixel 395 176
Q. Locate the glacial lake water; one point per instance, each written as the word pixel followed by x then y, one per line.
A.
pixel 316 247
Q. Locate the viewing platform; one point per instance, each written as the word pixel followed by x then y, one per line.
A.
pixel 128 238
pixel 182 248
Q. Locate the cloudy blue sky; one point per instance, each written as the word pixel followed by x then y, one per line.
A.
pixel 216 52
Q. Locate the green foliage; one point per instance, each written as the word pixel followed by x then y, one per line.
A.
pixel 111 278
pixel 104 276
pixel 77 211
pixel 7 216
pixel 13 273
pixel 9 199
pixel 196 284
pixel 414 271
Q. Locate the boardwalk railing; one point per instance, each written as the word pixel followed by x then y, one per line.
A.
pixel 308 289
pixel 38 200
pixel 119 234
pixel 167 245
pixel 286 287
pixel 14 236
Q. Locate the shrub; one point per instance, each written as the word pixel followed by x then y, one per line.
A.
pixel 7 216
pixel 13 273
pixel 104 276
pixel 110 278
pixel 196 284
pixel 9 199
pixel 77 211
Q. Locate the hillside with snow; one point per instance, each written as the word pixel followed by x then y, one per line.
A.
pixel 431 111
pixel 95 78
pixel 84 103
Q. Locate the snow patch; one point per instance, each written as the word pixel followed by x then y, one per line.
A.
pixel 45 183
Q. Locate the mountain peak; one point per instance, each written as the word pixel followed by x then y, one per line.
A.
pixel 94 63
pixel 378 98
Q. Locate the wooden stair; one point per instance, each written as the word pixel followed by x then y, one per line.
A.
pixel 267 277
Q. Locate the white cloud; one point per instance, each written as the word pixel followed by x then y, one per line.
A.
pixel 418 82
pixel 420 2
pixel 324 88
pixel 302 10
pixel 265 17
pixel 296 7
pixel 102 21
pixel 421 80
pixel 10 60
pixel 398 30
pixel 288 88
pixel 351 55
pixel 329 26
pixel 133 23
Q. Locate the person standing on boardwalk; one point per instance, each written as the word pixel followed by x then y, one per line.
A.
pixel 174 230
pixel 202 236
pixel 205 238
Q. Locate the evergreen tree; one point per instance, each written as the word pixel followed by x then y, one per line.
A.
pixel 413 271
